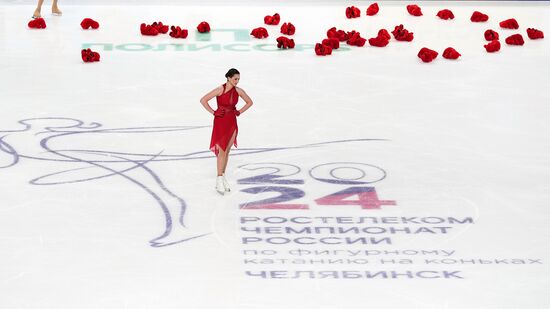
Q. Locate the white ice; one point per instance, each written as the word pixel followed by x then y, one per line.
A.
pixel 98 161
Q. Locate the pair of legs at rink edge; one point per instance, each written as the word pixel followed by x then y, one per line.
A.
pixel 55 9
pixel 221 183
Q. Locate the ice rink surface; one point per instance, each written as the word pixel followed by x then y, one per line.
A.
pixel 362 179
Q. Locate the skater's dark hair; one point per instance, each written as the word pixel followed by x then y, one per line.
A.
pixel 231 72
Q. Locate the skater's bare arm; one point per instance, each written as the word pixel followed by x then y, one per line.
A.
pixel 246 99
pixel 207 97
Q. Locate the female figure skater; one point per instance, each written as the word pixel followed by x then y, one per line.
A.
pixel 224 133
pixel 55 9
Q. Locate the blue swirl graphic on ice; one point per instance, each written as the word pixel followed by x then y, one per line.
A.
pixel 106 163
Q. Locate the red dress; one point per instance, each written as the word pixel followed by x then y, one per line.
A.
pixel 226 125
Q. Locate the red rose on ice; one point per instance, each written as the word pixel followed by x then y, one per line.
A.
pixel 414 10
pixel 373 9
pixel 288 29
pixel 381 40
pixel 38 23
pixel 378 41
pixel 534 34
pixel 322 49
pixel 341 35
pixel 451 53
pixel 178 33
pixel 445 14
pixel 402 34
pixel 89 56
pixel 384 34
pixel 284 42
pixel 334 43
pixel 509 24
pixel 491 35
pixel 427 55
pixel 272 20
pixel 276 18
pixel 259 33
pixel 515 39
pixel 88 22
pixel 352 12
pixel 154 29
pixel 148 29
pixel 161 28
pixel 355 39
pixel 492 47
pixel 203 27
pixel 84 54
pixel 479 17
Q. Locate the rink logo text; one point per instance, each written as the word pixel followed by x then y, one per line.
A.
pixel 351 183
pixel 217 40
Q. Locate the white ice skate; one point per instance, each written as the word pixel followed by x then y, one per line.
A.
pixel 219 185
pixel 226 184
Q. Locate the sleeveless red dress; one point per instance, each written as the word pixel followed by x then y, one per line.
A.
pixel 225 126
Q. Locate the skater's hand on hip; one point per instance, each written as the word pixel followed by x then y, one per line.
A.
pixel 219 112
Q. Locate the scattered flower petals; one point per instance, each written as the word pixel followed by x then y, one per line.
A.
pixel 353 12
pixel 427 55
pixel 478 17
pixel 322 49
pixel 535 34
pixel 178 33
pixel 203 27
pixel 402 34
pixel 491 35
pixel 451 53
pixel 288 29
pixel 89 56
pixel 509 24
pixel 515 39
pixel 381 40
pixel 341 35
pixel 88 22
pixel 38 23
pixel 284 42
pixel 355 39
pixel 445 14
pixel 492 47
pixel 259 33
pixel 272 20
pixel 148 29
pixel 334 43
pixel 414 10
pixel 373 9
